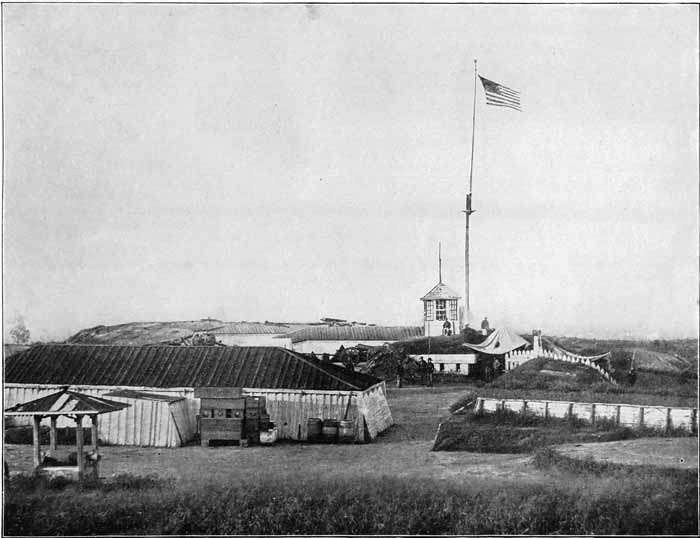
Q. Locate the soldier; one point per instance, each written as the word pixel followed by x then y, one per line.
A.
pixel 399 373
pixel 431 371
pixel 485 326
pixel 422 370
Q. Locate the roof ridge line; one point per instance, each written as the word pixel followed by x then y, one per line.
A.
pixel 299 356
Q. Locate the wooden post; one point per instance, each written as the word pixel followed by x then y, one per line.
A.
pixel 95 445
pixel 668 419
pixel 617 416
pixel 593 414
pixel 571 410
pixel 641 417
pixel 79 445
pixel 94 433
pixel 36 453
pixel 546 409
pixel 52 436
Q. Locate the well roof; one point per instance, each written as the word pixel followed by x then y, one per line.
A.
pixel 66 402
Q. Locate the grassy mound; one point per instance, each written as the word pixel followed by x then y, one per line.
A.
pixel 509 432
pixel 548 379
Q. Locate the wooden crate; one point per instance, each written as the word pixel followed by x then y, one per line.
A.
pixel 227 429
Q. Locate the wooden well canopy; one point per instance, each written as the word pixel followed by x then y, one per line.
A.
pixel 71 404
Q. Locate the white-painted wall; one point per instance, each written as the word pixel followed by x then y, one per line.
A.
pixel 157 423
pixel 450 362
pixel 331 346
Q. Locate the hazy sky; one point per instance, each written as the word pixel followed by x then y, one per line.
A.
pixel 251 162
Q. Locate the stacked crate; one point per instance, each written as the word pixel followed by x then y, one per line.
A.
pixel 226 415
pixel 256 417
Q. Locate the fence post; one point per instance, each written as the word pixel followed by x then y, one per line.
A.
pixel 617 416
pixel 668 419
pixel 641 417
pixel 571 410
pixel 546 409
pixel 524 406
pixel 593 414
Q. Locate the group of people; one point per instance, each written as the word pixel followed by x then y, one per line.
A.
pixel 426 370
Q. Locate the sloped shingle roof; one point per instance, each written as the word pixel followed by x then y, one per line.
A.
pixel 440 291
pixel 179 366
pixel 67 402
pixel 356 332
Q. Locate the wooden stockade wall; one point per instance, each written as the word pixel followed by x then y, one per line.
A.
pixel 633 416
pixel 163 424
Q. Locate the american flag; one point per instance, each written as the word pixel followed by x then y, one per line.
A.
pixel 499 95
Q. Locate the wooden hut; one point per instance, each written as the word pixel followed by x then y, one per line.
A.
pixel 75 406
pixel 160 380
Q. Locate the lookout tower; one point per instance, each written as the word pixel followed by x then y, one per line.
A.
pixel 440 310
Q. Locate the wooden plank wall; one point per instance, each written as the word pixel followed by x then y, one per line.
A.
pixel 291 410
pixel 625 414
pixel 373 406
pixel 144 423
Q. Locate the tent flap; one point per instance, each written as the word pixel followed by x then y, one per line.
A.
pixel 502 340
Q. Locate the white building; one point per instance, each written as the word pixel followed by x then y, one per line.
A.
pixel 440 311
pixel 327 339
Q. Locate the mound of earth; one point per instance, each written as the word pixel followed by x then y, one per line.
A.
pixel 141 333
pixel 656 361
pixel 674 452
pixel 541 374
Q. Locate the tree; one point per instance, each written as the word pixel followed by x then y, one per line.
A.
pixel 19 333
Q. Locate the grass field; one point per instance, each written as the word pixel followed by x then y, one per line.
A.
pixel 394 485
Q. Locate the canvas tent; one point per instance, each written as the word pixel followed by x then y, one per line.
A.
pixel 501 341
pixel 158 383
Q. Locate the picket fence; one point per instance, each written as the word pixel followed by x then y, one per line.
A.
pixel 633 416
pixel 516 358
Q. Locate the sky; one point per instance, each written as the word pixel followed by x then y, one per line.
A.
pixel 291 162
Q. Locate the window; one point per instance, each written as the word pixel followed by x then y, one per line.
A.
pixel 229 413
pixel 441 309
pixel 457 367
pixel 442 367
pixel 453 309
pixel 429 310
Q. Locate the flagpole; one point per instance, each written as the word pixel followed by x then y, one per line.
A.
pixel 468 211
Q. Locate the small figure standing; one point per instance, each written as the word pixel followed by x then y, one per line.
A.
pixel 496 367
pixel 422 370
pixel 632 376
pixel 485 326
pixel 431 371
pixel 399 373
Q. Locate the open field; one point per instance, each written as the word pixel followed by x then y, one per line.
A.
pixel 393 485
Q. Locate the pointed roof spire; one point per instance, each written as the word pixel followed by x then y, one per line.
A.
pixel 440 262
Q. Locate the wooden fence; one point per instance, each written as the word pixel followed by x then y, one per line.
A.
pixel 633 416
pixel 516 358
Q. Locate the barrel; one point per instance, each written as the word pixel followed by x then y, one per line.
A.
pixel 330 430
pixel 346 431
pixel 313 426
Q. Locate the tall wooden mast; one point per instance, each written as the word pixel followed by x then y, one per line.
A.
pixel 467 212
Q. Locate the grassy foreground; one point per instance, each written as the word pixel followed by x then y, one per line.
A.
pixel 623 502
